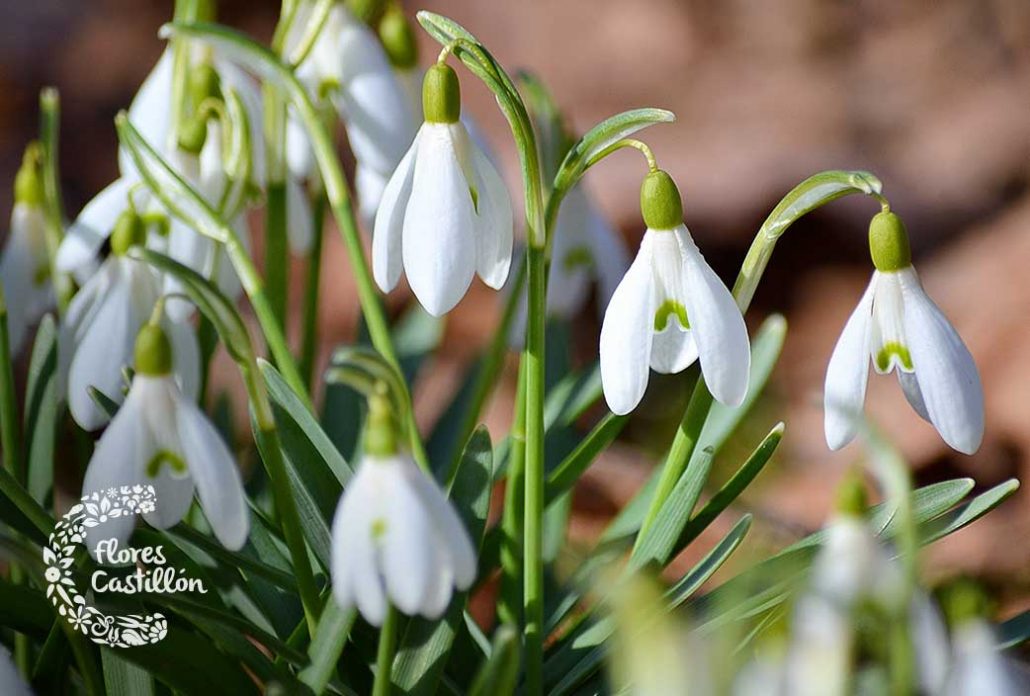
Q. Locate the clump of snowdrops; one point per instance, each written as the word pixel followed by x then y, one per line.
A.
pixel 341 543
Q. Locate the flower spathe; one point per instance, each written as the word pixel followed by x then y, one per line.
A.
pixel 445 214
pixel 669 310
pixel 896 326
pixel 160 437
pixel 397 540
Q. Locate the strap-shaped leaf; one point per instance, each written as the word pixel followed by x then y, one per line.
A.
pixel 499 674
pixel 41 411
pixel 333 628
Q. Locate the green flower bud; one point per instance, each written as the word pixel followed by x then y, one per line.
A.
pixel 660 202
pixel 368 11
pixel 193 135
pixel 441 95
pixel 852 499
pixel 153 352
pixel 888 242
pixel 381 431
pixel 398 39
pixel 205 83
pixel 28 183
pixel 129 231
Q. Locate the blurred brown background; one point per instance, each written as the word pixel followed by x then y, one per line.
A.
pixel 931 96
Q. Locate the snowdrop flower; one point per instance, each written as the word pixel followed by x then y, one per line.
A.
pixel 669 310
pixel 11 682
pixel 396 538
pixel 100 326
pixel 978 665
pixel 160 437
pixel 24 266
pixel 445 214
pixel 349 66
pixel 898 327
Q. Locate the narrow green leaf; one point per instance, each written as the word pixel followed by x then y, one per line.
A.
pixel 816 191
pixel 423 652
pixel 108 405
pixel 122 678
pixel 41 410
pixel 499 674
pixel 565 475
pixel 968 513
pixel 713 560
pixel 1014 632
pixel 333 628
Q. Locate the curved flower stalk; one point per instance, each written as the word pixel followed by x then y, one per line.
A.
pixel 348 66
pixel 396 539
pixel 24 265
pixel 445 215
pixel 161 438
pixel 99 329
pixel 11 682
pixel 670 310
pixel 897 327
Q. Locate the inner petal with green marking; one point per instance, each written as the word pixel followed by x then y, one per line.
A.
pixel 166 458
pixel 667 309
pixel 891 354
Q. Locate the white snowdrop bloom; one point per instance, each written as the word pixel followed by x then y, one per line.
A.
pixel 397 540
pixel 978 665
pixel 25 264
pixel 160 437
pixel 11 682
pixel 445 215
pixel 669 310
pixel 99 329
pixel 349 66
pixel 896 326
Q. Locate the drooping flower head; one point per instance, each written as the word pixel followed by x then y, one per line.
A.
pixel 99 329
pixel 669 310
pixel 24 266
pixel 396 538
pixel 160 437
pixel 978 665
pixel 445 215
pixel 897 327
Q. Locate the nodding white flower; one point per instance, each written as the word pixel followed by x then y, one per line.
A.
pixel 99 329
pixel 445 214
pixel 397 540
pixel 160 437
pixel 669 310
pixel 11 682
pixel 978 665
pixel 348 64
pixel 896 326
pixel 25 264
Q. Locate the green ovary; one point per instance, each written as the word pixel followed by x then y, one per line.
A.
pixel 670 308
pixel 891 349
pixel 173 461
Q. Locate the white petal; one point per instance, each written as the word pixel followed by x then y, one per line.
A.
pixel 449 530
pixel 847 374
pixel 438 241
pixel 717 326
pixel 79 317
pixel 913 394
pixel 609 254
pixel 300 226
pixel 185 356
pixel 946 372
pixel 355 559
pixel 151 110
pixel 379 124
pixel 11 682
pixel 214 471
pixel 300 158
pixel 23 258
pixel 107 343
pixel 192 250
pixel 87 234
pixel 172 485
pixel 408 553
pixel 495 223
pixel 626 335
pixel 118 460
pixel 930 640
pixel 389 222
pixel 369 185
pixel 249 91
pixel 673 349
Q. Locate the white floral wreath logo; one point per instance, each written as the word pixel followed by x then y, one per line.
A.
pixel 114 631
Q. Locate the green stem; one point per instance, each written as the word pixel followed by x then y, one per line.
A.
pixel 277 256
pixel 309 330
pixel 50 116
pixel 10 432
pixel 271 454
pixel 509 607
pixel 384 656
pixel 533 568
